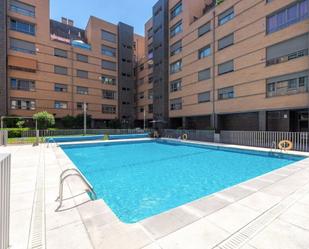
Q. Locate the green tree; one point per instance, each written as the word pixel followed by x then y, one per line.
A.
pixel 20 123
pixel 45 120
pixel 68 122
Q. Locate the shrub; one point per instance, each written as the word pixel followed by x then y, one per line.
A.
pixel 45 120
pixel 16 132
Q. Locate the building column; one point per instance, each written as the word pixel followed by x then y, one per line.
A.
pixel 214 122
pixel 262 120
pixel 184 122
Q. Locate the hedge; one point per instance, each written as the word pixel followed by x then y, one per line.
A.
pixel 16 132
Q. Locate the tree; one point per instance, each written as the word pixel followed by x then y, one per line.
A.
pixel 45 120
pixel 20 123
pixel 68 122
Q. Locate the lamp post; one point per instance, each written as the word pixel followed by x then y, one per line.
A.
pixel 85 118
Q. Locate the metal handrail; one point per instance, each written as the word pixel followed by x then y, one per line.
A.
pixel 63 177
pixel 49 141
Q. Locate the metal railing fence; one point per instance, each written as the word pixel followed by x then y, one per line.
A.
pixel 5 181
pixel 266 139
pixel 197 135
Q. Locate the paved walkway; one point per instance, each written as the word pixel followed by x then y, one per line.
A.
pixel 268 212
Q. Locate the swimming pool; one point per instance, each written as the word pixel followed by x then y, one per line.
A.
pixel 141 179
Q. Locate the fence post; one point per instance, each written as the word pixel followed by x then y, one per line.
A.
pixel 5 178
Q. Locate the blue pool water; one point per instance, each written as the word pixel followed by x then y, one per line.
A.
pixel 141 179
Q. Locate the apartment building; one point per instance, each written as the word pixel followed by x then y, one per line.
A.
pixel 57 67
pixel 229 65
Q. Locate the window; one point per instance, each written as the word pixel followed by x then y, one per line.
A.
pixel 176 29
pixel 141 67
pixel 204 52
pixel 287 50
pixel 202 30
pixel 107 94
pixel 204 74
pixel 140 81
pixel 109 109
pixel 176 104
pixel 21 84
pixel 203 97
pixel 176 10
pixel 82 58
pixel 109 65
pixel 150 108
pixel 226 67
pixel 61 105
pixel 108 36
pixel 226 16
pixel 60 70
pixel 22 104
pixel 22 8
pixel 150 94
pixel 141 95
pixel 226 93
pixel 22 46
pixel 80 106
pixel 108 80
pixel 287 84
pixel 60 53
pixel 150 33
pixel 226 41
pixel 61 88
pixel 81 74
pixel 23 27
pixel 82 90
pixel 141 109
pixel 175 86
pixel 176 48
pixel 292 14
pixel 108 51
pixel 175 67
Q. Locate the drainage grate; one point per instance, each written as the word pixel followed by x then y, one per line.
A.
pixel 246 233
pixel 37 228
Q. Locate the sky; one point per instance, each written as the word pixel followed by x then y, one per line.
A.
pixel 132 12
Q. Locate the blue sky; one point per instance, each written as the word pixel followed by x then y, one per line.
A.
pixel 132 12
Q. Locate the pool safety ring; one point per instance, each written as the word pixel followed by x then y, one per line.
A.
pixel 184 137
pixel 285 145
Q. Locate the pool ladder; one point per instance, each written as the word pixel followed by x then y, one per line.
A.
pixel 51 140
pixel 64 176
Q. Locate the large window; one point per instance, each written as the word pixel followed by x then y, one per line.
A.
pixel 150 94
pixel 61 70
pixel 82 90
pixel 204 52
pixel 204 74
pixel 176 29
pixel 203 97
pixel 82 58
pixel 226 67
pixel 22 8
pixel 21 84
pixel 287 50
pixel 226 93
pixel 108 51
pixel 176 104
pixel 108 109
pixel 176 48
pixel 226 16
pixel 24 27
pixel 108 80
pixel 107 94
pixel 294 13
pixel 175 67
pixel 82 74
pixel 60 88
pixel 61 105
pixel 226 41
pixel 175 85
pixel 22 104
pixel 109 65
pixel 202 30
pixel 60 53
pixel 176 10
pixel 287 84
pixel 22 46
pixel 108 36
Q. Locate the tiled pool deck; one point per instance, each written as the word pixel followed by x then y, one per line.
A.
pixel 268 212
